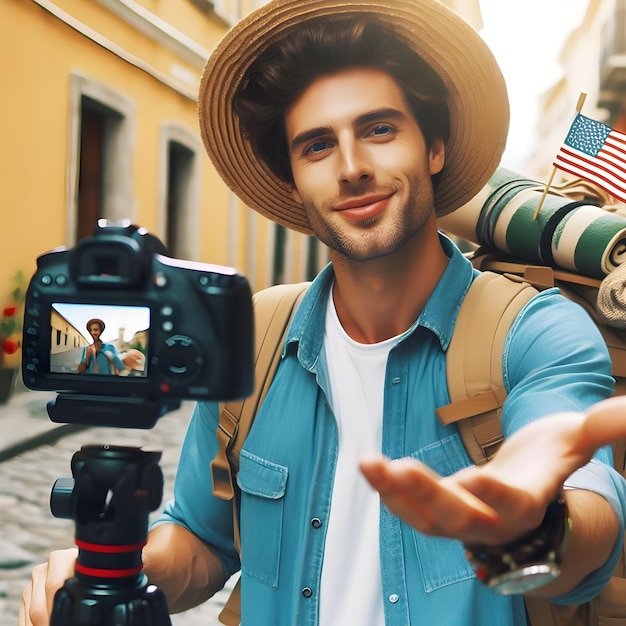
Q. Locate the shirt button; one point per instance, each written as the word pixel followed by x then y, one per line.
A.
pixel 393 598
pixel 395 381
pixel 316 522
pixel 307 592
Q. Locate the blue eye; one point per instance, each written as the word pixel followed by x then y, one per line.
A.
pixel 381 130
pixel 317 147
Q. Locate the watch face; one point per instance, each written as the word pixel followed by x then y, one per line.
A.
pixel 525 579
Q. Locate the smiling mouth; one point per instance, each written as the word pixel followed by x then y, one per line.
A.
pixel 363 208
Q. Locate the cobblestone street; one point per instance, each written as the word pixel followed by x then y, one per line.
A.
pixel 30 532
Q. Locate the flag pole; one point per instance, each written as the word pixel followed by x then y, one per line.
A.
pixel 545 193
pixel 579 106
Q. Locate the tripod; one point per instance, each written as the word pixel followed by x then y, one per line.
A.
pixel 113 490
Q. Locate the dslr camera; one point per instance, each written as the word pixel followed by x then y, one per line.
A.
pixel 124 332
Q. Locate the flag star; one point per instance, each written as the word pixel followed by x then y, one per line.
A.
pixel 587 135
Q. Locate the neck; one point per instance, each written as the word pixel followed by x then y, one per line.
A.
pixel 379 299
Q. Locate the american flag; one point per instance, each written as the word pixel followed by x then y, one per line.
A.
pixel 596 152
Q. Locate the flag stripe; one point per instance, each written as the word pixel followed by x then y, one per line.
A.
pixel 616 154
pixel 618 136
pixel 590 176
pixel 603 168
pixel 596 152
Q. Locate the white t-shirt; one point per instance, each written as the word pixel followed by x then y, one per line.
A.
pixel 351 588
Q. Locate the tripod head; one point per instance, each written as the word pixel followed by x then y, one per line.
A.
pixel 110 497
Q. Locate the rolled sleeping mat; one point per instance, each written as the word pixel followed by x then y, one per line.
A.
pixel 578 236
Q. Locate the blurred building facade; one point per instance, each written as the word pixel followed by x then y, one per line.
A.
pixel 594 63
pixel 99 121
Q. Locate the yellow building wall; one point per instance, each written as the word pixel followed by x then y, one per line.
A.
pixel 199 24
pixel 35 125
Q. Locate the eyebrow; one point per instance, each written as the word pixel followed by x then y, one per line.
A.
pixel 367 118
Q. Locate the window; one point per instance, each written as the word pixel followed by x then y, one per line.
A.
pixel 101 157
pixel 179 202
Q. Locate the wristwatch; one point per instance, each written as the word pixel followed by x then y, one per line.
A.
pixel 526 563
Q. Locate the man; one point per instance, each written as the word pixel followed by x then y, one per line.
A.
pixel 361 123
pixel 99 357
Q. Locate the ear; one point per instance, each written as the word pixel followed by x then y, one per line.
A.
pixel 436 156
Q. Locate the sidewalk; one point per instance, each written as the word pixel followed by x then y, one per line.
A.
pixel 24 422
pixel 28 469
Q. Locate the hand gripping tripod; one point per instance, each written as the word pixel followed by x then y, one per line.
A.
pixel 113 490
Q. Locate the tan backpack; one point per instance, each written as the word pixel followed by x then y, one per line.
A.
pixel 477 394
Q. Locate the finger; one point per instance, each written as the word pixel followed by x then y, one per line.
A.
pixel 430 504
pixel 409 476
pixel 561 443
pixel 22 616
pixel 519 509
pixel 60 567
pixel 605 423
pixel 558 448
pixel 34 600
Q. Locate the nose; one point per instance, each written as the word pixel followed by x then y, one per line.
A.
pixel 354 164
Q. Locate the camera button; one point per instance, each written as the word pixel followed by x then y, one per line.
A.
pixel 167 326
pixel 46 279
pixel 160 280
pixel 61 280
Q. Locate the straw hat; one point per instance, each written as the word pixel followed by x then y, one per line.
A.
pixel 95 320
pixel 478 102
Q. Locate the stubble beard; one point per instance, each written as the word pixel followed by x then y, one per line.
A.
pixel 363 241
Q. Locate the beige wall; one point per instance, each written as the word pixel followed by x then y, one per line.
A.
pixel 71 337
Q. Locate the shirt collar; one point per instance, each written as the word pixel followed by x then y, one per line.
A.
pixel 439 314
pixel 441 310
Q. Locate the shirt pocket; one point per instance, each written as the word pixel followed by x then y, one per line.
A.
pixel 263 485
pixel 442 561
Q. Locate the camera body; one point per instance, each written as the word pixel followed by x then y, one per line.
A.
pixel 124 332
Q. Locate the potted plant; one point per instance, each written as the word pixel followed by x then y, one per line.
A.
pixel 11 337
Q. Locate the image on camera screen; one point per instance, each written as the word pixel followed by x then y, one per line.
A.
pixel 99 339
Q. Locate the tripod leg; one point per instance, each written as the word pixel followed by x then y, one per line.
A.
pixel 113 490
pixel 73 607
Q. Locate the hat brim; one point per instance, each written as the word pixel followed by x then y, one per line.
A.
pixel 98 321
pixel 478 102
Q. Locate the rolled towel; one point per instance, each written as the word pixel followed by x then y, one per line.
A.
pixel 611 304
pixel 591 241
pixel 578 235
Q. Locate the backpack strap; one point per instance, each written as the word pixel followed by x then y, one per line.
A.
pixel 474 361
pixel 273 310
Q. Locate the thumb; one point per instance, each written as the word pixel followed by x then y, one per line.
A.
pixel 605 422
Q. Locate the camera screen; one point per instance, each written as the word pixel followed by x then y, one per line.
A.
pixel 99 339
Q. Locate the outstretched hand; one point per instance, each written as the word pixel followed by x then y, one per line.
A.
pixel 499 501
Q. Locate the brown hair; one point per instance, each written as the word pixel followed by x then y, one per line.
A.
pixel 323 46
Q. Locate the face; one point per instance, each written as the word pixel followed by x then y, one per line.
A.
pixel 95 331
pixel 360 163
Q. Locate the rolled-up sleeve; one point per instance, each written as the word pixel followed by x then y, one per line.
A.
pixel 194 506
pixel 554 360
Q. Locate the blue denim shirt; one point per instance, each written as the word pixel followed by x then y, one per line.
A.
pixel 554 360
pixel 105 358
